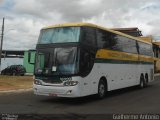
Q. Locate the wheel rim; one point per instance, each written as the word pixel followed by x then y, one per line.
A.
pixel 101 90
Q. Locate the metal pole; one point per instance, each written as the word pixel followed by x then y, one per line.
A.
pixel 1 42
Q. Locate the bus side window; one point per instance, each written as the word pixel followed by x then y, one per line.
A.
pixel 102 39
pixel 88 37
pixel 86 62
pixel 145 49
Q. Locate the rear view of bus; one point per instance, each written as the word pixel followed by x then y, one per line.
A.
pixel 74 60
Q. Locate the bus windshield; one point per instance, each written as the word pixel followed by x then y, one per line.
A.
pixel 59 35
pixel 58 61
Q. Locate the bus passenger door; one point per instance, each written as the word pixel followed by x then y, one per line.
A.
pixel 86 64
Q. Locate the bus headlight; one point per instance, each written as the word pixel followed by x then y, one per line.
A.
pixel 37 82
pixel 70 83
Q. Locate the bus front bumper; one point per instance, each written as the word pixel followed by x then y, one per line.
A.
pixel 58 91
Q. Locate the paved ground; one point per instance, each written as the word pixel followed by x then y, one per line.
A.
pixel 130 100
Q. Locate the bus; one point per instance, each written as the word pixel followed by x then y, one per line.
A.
pixel 81 59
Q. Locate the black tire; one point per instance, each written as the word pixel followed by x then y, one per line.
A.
pixel 22 74
pixel 10 74
pixel 102 89
pixel 142 83
pixel 14 73
pixel 146 80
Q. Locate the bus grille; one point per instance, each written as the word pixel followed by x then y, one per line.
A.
pixel 52 81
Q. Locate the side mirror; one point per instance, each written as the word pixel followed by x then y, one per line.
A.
pixel 31 56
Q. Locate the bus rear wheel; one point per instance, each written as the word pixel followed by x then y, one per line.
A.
pixel 102 89
pixel 142 82
pixel 146 80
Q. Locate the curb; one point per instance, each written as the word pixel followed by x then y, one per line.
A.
pixel 17 91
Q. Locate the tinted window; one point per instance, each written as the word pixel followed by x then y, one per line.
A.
pixel 124 44
pixel 145 49
pixel 115 42
pixel 59 35
pixel 57 61
pixel 86 61
pixel 105 39
pixel 88 36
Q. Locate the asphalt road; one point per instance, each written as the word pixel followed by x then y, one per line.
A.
pixel 131 100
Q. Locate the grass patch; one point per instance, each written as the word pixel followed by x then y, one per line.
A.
pixel 15 82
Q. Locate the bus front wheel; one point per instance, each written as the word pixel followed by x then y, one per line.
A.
pixel 102 89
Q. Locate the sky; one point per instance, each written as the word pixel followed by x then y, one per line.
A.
pixel 25 18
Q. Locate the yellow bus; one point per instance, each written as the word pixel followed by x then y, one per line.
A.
pixel 81 59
